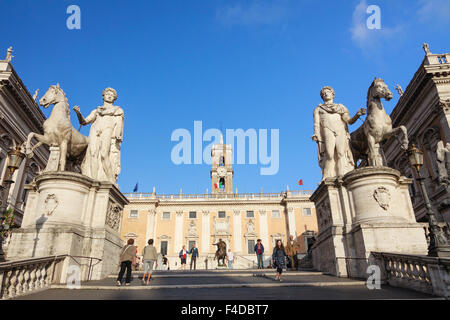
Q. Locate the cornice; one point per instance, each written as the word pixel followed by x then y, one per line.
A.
pixel 11 82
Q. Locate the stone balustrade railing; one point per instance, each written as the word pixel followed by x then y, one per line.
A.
pixel 438 58
pixel 206 196
pixel 420 273
pixel 26 276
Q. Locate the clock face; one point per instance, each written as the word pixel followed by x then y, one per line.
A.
pixel 221 171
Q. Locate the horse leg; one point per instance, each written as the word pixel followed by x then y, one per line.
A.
pixel 62 155
pixel 395 131
pixel 373 152
pixel 42 139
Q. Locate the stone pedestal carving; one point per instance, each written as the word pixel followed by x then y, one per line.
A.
pixel 69 213
pixel 369 209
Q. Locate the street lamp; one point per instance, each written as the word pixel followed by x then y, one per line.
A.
pixel 15 157
pixel 439 244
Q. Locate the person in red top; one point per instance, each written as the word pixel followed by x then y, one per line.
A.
pixel 259 250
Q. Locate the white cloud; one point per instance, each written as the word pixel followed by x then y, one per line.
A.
pixel 370 40
pixel 256 13
pixel 434 11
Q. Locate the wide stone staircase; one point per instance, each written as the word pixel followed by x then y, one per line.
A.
pixel 225 284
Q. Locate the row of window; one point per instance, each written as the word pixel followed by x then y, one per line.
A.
pixel 222 214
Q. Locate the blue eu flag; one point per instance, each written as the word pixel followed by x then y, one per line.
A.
pixel 135 187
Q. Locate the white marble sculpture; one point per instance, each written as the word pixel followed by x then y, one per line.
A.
pixel 399 90
pixel 9 55
pixel 102 160
pixel 35 94
pixel 59 133
pixel 426 48
pixel 443 162
pixel 377 127
pixel 331 134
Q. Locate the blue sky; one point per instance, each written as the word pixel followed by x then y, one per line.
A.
pixel 231 64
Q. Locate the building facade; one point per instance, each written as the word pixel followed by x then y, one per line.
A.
pixel 19 115
pixel 424 109
pixel 238 219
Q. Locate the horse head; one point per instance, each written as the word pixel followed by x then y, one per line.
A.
pixel 52 96
pixel 377 90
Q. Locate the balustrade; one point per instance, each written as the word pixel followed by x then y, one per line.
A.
pixel 25 276
pixel 421 273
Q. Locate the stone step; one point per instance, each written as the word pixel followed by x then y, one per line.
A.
pixel 217 285
pixel 184 274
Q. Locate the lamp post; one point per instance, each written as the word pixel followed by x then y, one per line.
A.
pixel 439 244
pixel 15 157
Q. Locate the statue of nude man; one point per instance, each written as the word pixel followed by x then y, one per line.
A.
pixel 331 134
pixel 102 160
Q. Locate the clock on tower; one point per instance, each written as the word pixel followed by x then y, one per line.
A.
pixel 221 170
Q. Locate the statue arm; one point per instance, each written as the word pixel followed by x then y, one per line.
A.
pixel 346 115
pixel 91 117
pixel 316 136
pixel 118 128
pixel 84 121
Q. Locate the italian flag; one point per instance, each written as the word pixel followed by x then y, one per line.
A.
pixel 218 185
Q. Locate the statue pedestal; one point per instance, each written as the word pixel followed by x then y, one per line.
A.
pixel 69 213
pixel 369 209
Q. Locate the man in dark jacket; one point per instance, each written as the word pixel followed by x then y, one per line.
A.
pixel 259 250
pixel 194 255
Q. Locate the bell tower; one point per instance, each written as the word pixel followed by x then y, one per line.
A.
pixel 222 170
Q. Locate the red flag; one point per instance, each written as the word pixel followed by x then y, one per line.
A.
pixel 300 182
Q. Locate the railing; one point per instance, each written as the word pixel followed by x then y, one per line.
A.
pixel 25 276
pixel 439 58
pixel 90 263
pixel 250 263
pixel 420 273
pixel 246 196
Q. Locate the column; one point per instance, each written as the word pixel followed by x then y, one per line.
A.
pixel 151 221
pixel 263 227
pixel 291 223
pixel 237 231
pixel 206 238
pixel 178 242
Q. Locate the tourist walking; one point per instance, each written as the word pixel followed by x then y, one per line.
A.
pixel 230 258
pixel 279 259
pixel 194 255
pixel 292 248
pixel 149 256
pixel 183 256
pixel 259 250
pixel 127 259
pixel 165 262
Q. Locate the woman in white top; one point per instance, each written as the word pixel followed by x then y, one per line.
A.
pixel 230 258
pixel 183 256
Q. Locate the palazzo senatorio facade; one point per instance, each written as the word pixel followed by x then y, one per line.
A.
pixel 238 219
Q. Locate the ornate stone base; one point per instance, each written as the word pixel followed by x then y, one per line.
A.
pixel 68 213
pixel 369 209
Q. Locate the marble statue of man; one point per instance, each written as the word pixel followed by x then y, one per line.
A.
pixel 443 161
pixel 102 160
pixel 331 134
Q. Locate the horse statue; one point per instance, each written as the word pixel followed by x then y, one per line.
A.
pixel 221 252
pixel 377 128
pixel 58 130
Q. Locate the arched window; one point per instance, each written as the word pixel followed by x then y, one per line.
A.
pixel 222 161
